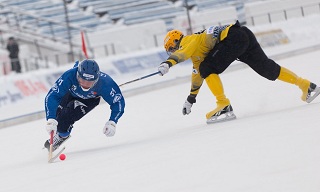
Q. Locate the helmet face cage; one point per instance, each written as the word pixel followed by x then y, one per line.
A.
pixel 172 41
pixel 88 73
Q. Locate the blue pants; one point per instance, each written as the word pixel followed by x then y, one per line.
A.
pixel 72 109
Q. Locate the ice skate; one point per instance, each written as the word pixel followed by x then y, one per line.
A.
pixel 313 92
pixel 225 114
pixel 57 142
pixel 223 111
pixel 309 90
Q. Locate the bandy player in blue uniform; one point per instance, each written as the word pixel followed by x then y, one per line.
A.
pixel 75 94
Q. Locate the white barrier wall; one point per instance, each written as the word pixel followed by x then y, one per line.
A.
pixel 125 39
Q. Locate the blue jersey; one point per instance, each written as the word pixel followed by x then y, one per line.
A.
pixel 105 87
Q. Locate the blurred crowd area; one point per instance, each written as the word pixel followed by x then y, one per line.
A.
pixel 51 32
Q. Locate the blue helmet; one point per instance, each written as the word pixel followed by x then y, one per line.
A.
pixel 88 70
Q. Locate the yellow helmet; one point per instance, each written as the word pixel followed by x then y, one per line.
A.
pixel 172 41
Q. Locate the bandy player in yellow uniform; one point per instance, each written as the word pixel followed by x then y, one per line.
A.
pixel 212 51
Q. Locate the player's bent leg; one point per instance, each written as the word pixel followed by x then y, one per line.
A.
pixel 73 112
pixel 68 115
pixel 223 110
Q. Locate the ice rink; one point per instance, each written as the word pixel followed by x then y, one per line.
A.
pixel 273 145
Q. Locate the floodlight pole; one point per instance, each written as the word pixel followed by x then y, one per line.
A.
pixel 189 30
pixel 68 29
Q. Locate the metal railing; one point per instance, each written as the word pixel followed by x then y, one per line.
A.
pixel 284 14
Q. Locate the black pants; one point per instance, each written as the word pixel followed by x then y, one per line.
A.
pixel 239 44
pixel 72 109
pixel 15 65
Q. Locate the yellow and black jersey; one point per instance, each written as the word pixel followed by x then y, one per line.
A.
pixel 196 47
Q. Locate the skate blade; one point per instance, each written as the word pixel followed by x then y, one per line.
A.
pixel 222 118
pixel 53 150
pixel 316 93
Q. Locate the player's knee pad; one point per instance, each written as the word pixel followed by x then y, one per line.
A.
pixel 68 115
pixel 270 70
pixel 204 71
pixel 206 68
pixel 72 112
pixel 64 129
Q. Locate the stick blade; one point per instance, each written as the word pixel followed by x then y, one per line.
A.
pixel 51 160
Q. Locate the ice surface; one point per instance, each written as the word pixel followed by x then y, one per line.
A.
pixel 272 146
